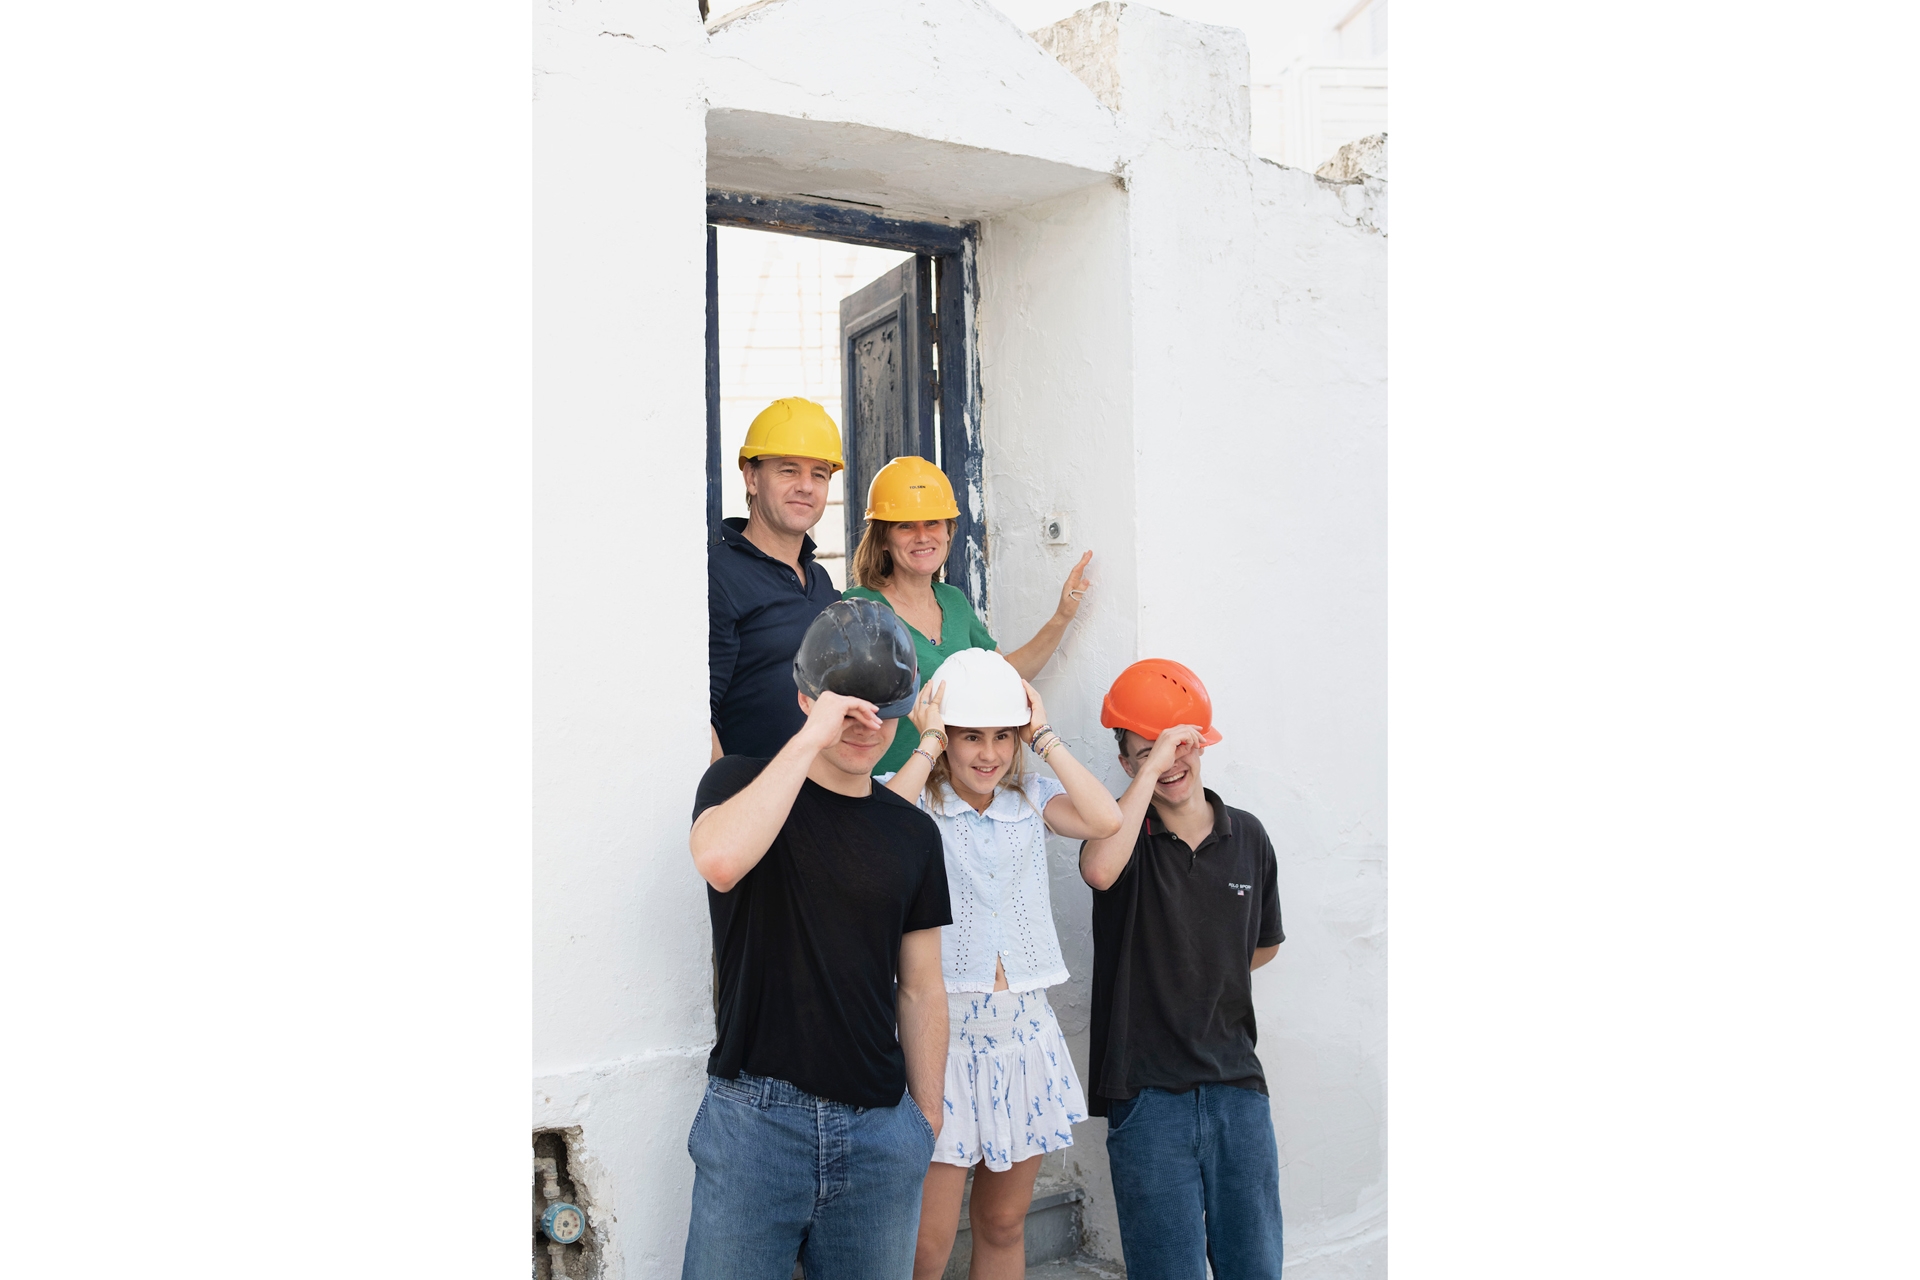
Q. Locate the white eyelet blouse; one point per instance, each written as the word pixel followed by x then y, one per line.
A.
pixel 997 880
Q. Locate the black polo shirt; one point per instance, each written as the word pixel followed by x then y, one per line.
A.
pixel 1173 940
pixel 757 614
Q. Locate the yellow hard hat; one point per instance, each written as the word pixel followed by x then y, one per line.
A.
pixel 910 489
pixel 793 428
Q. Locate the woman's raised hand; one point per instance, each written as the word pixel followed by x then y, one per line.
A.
pixel 1078 584
pixel 926 715
pixel 1038 716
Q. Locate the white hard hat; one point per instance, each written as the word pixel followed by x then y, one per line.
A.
pixel 983 691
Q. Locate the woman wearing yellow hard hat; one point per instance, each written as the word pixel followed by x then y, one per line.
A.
pixel 763 586
pixel 900 560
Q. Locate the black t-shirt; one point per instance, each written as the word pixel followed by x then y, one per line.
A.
pixel 808 943
pixel 1172 942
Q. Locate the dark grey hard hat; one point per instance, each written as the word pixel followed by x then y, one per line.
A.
pixel 860 649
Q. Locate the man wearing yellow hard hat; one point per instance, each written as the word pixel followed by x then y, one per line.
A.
pixel 910 515
pixel 763 586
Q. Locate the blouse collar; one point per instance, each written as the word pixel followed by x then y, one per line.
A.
pixel 1008 805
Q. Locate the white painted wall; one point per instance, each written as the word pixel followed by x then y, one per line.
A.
pixel 621 1007
pixel 1257 305
pixel 1182 347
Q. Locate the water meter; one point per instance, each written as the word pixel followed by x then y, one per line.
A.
pixel 563 1223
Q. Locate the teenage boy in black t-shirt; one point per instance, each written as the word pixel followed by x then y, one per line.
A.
pixel 824 891
pixel 1185 907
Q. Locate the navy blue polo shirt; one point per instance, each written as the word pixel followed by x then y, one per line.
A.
pixel 757 614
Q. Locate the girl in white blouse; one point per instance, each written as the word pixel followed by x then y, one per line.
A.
pixel 1011 1094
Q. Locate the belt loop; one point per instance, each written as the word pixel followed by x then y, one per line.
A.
pixel 766 1092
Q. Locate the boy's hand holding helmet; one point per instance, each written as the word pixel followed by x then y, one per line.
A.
pixel 827 720
pixel 1182 739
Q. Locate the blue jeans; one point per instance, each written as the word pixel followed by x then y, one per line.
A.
pixel 1196 1180
pixel 780 1174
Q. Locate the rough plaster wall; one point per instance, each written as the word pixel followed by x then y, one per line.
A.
pixel 1057 424
pixel 1318 683
pixel 1258 317
pixel 620 961
pixel 950 70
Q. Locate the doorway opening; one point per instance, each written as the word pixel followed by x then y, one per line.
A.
pixel 780 303
pixel 870 316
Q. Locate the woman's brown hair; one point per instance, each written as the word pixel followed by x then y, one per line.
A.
pixel 873 562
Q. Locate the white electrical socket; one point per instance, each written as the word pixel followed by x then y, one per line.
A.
pixel 1053 530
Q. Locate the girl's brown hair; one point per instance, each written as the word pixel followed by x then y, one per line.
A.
pixel 873 562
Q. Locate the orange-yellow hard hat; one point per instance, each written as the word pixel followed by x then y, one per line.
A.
pixel 793 428
pixel 1155 694
pixel 910 488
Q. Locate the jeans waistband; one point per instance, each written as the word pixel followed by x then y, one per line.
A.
pixel 767 1091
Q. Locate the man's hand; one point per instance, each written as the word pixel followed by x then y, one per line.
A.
pixel 826 720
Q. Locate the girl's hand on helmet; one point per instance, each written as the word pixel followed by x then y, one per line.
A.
pixel 1077 587
pixel 926 715
pixel 1039 709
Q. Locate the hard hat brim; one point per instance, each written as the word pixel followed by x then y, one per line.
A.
pixel 1112 719
pixel 898 710
pixel 755 451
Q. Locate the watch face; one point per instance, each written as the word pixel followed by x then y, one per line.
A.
pixel 562 1223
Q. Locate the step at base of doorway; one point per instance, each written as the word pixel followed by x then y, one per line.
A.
pixel 1053 1238
pixel 1053 1227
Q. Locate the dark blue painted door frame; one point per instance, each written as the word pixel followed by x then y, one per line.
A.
pixel 713 381
pixel 956 296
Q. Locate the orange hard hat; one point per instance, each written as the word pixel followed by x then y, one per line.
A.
pixel 1155 694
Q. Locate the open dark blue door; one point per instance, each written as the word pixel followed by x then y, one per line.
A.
pixel 887 373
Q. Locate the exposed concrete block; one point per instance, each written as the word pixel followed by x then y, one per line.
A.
pixel 1170 79
pixel 1358 160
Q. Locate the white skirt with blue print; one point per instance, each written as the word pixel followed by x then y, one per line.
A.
pixel 1012 1092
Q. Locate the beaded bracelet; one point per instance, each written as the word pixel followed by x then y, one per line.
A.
pixel 925 733
pixel 922 751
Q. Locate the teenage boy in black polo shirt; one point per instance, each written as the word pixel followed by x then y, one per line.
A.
pixel 819 1119
pixel 1185 907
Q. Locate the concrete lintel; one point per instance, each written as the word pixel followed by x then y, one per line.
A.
pixel 891 172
